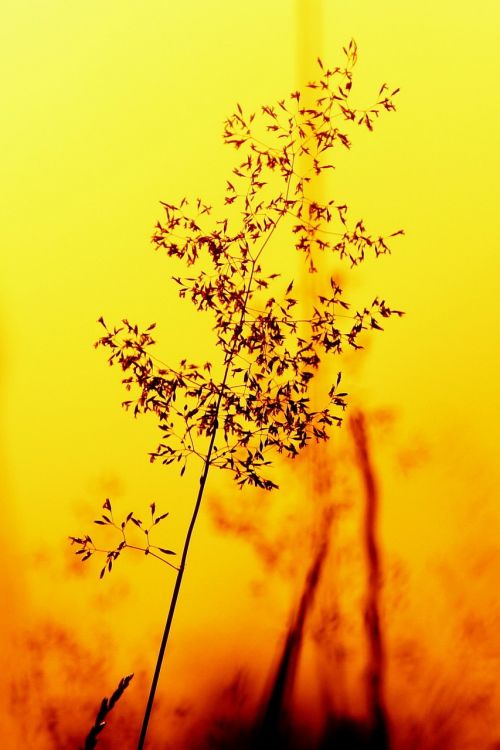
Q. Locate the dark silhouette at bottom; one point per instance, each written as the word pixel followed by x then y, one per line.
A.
pixel 340 734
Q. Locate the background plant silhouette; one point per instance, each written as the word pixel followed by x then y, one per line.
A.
pixel 254 399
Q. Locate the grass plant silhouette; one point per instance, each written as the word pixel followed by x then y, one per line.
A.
pixel 104 709
pixel 254 400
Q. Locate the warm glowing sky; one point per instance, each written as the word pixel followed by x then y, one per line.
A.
pixel 108 107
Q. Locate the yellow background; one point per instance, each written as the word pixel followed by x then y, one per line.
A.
pixel 109 107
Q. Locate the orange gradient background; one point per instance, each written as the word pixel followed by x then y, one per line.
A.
pixel 109 107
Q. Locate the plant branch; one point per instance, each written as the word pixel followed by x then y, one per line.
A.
pixel 199 498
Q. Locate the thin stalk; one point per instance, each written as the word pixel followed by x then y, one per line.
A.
pixel 175 594
pixel 199 498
